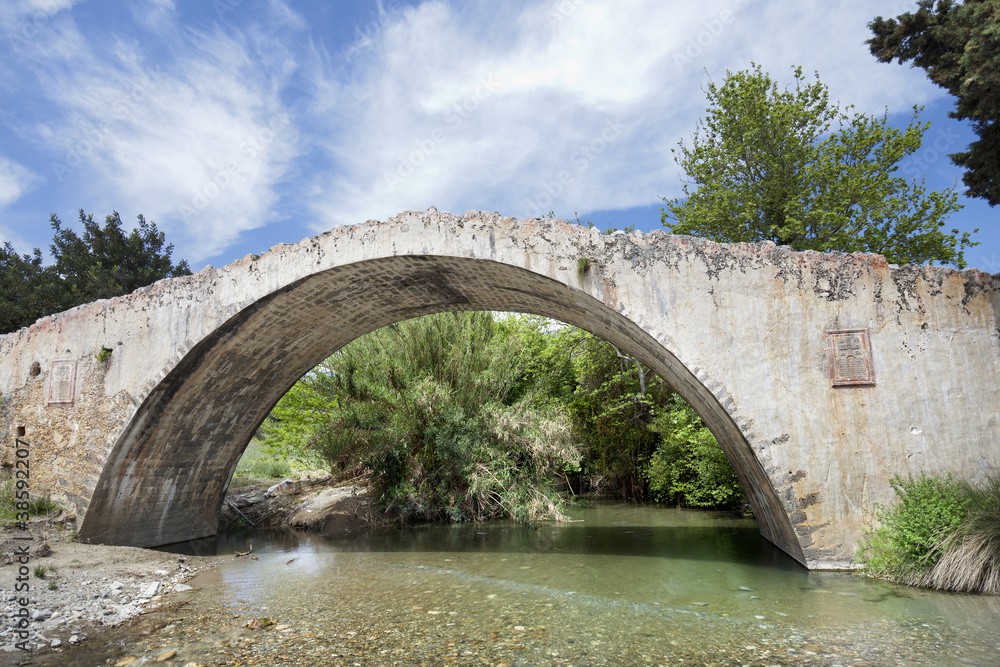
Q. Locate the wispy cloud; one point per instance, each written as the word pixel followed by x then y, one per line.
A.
pixel 257 113
pixel 15 180
pixel 198 143
pixel 154 14
pixel 500 109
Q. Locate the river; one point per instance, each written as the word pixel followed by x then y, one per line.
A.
pixel 625 585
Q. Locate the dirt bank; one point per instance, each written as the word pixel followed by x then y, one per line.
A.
pixel 315 503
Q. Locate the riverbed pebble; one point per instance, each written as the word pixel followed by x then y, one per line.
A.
pixel 482 622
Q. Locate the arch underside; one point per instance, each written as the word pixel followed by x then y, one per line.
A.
pixel 167 475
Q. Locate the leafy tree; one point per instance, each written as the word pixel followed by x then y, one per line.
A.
pixel 28 290
pixel 103 263
pixel 641 440
pixel 612 409
pixel 957 44
pixel 469 416
pixel 436 410
pixel 791 167
pixel 689 467
pixel 293 423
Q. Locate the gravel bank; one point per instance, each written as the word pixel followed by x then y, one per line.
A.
pixel 76 590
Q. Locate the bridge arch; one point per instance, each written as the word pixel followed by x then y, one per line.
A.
pixel 199 419
pixel 137 408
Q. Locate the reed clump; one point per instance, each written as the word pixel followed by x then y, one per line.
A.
pixel 971 555
pixel 941 533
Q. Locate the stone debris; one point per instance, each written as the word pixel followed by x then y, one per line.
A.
pixel 247 499
pixel 87 588
pixel 150 589
pixel 284 487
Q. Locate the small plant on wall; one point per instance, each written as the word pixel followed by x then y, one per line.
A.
pixel 104 354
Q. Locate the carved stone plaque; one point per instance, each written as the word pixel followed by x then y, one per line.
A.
pixel 850 357
pixel 62 382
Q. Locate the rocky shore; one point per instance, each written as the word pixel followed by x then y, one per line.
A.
pixel 77 591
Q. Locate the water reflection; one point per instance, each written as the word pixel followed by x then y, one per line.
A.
pixel 674 534
pixel 635 578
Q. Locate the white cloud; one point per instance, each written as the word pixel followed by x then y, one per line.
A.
pixel 156 15
pixel 15 180
pixel 197 144
pixel 571 105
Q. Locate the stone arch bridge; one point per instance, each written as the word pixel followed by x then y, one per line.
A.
pixel 820 374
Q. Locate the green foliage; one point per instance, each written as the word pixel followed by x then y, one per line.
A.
pixel 103 263
pixel 956 43
pixel 445 412
pixel 791 167
pixel 28 290
pixel 468 416
pixel 38 504
pixel 257 463
pixel 41 571
pixel 971 559
pixel 303 412
pixel 612 408
pixel 42 505
pixel 910 536
pixel 689 467
pixel 7 509
pixel 104 354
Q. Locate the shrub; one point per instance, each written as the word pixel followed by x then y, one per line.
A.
pixel 971 555
pixel 912 534
pixel 689 467
pixel 440 410
pixel 7 511
pixel 42 504
pixel 38 505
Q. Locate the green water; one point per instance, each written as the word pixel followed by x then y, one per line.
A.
pixel 626 585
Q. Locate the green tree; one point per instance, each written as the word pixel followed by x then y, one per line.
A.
pixel 305 410
pixel 103 263
pixel 791 167
pixel 689 467
pixel 957 44
pixel 28 290
pixel 437 411
pixel 612 408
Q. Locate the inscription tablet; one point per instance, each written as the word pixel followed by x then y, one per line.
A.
pixel 850 357
pixel 62 382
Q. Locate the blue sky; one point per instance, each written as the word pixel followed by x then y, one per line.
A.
pixel 239 124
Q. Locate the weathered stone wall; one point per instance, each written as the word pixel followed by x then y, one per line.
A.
pixel 145 451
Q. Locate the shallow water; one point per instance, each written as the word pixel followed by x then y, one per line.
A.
pixel 626 585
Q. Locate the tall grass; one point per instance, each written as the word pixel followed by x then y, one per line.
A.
pixel 442 412
pixel 258 464
pixel 971 560
pixel 941 534
pixel 39 504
